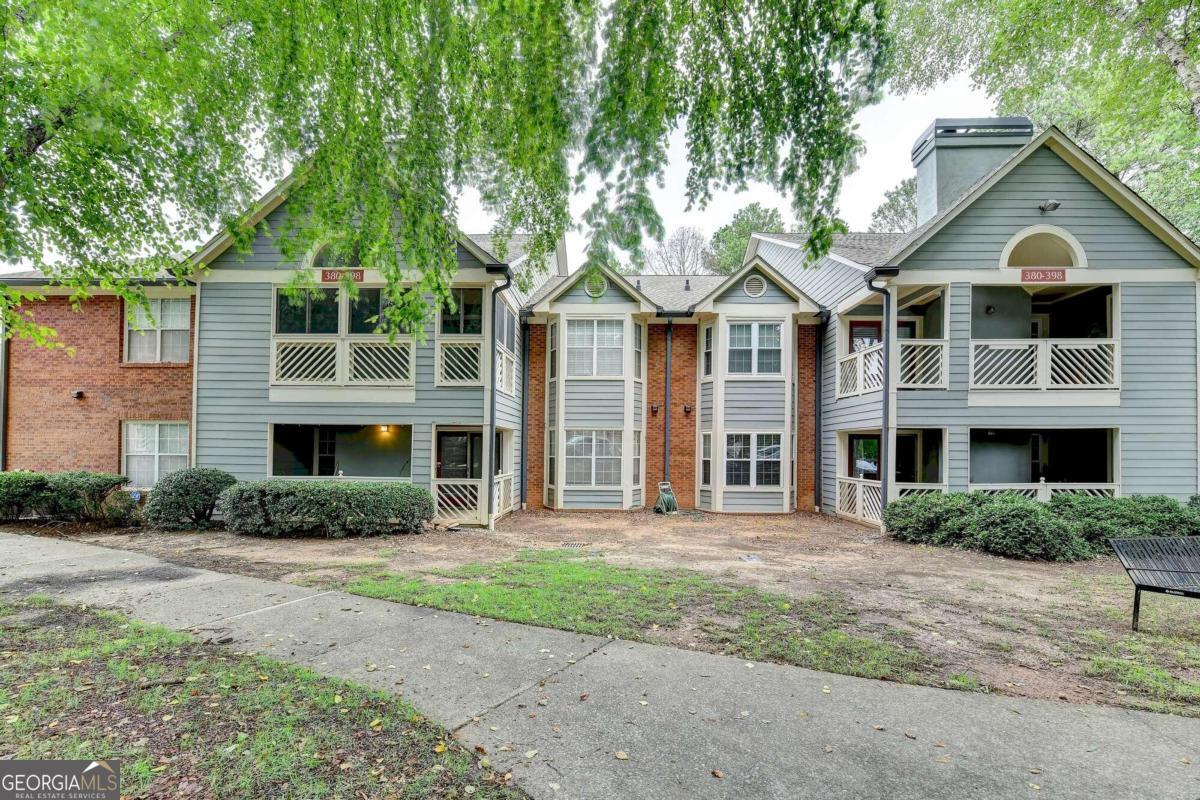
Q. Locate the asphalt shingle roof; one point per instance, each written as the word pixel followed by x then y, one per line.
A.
pixel 868 249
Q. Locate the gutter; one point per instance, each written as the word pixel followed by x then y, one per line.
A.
pixel 818 401
pixel 524 316
pixel 491 476
pixel 670 317
pixel 885 418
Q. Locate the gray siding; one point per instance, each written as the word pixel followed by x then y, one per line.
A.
pixel 638 405
pixel 576 294
pixel 1158 409
pixel 976 237
pixel 706 499
pixel 508 406
pixel 864 412
pixel 827 282
pixel 592 498
pixel 773 294
pixel 755 405
pixel 733 500
pixel 706 405
pixel 232 405
pixel 636 501
pixel 595 403
pixel 551 403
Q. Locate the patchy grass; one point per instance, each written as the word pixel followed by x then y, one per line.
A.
pixel 188 719
pixel 573 591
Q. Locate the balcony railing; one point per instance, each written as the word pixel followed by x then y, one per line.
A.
pixel 907 489
pixel 459 363
pixel 503 494
pixel 458 499
pixel 860 372
pixel 1044 491
pixel 1044 363
pixel 325 361
pixel 924 364
pixel 860 499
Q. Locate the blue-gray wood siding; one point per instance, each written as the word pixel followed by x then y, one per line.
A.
pixel 233 410
pixel 1109 236
pixel 593 498
pixel 1158 405
pixel 755 405
pixel 551 403
pixel 595 404
pixel 636 501
pixel 827 282
pixel 577 294
pixel 737 295
pixel 863 412
pixel 734 500
pixel 706 499
pixel 638 405
pixel 706 405
pixel 508 406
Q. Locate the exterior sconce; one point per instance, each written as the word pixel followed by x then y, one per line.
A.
pixel 1049 205
pixel 384 428
pixel 77 394
pixel 989 310
pixel 687 408
pixel 654 409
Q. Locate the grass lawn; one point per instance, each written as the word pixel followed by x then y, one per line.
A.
pixel 189 719
pixel 571 591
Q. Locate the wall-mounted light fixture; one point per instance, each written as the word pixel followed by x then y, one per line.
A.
pixel 687 408
pixel 77 394
pixel 654 409
pixel 1049 205
pixel 384 428
pixel 989 310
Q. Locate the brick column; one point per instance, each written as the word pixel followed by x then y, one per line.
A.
pixel 683 426
pixel 535 419
pixel 806 414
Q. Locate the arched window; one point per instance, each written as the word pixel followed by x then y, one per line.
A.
pixel 1043 246
pixel 326 256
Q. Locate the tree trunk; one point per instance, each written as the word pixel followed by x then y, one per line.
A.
pixel 1185 68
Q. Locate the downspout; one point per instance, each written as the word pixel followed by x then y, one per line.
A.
pixel 491 476
pixel 670 317
pixel 818 400
pixel 885 419
pixel 524 406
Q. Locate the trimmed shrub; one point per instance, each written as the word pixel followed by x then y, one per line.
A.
pixel 934 518
pixel 1015 526
pixel 88 497
pixel 186 498
pixel 1098 519
pixel 327 509
pixel 20 492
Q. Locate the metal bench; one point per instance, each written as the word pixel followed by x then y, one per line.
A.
pixel 1163 564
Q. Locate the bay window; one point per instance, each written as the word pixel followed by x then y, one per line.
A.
pixel 753 459
pixel 595 347
pixel 593 458
pixel 755 348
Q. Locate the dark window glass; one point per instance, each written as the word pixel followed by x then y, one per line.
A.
pixel 313 311
pixel 366 311
pixel 291 314
pixel 467 315
pixel 864 457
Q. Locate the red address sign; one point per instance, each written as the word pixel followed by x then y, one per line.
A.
pixel 335 275
pixel 1043 276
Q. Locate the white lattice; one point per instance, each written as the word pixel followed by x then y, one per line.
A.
pixel 380 362
pixel 860 498
pixel 305 362
pixel 848 368
pixel 872 368
pixel 1004 364
pixel 457 501
pixel 1088 364
pixel 922 363
pixel 459 362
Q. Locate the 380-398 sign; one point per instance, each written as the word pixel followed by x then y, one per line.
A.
pixel 1043 276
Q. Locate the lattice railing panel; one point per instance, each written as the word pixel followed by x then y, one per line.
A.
pixel 1014 365
pixel 922 363
pixel 381 362
pixel 305 362
pixel 1083 364
pixel 459 362
pixel 457 501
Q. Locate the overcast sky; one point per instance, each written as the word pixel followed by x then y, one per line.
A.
pixel 888 130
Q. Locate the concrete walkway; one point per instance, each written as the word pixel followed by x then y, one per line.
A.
pixel 556 707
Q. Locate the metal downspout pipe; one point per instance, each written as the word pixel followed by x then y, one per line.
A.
pixel 818 389
pixel 667 408
pixel 524 407
pixel 491 476
pixel 885 420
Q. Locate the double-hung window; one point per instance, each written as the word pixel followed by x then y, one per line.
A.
pixel 551 459
pixel 637 458
pixel 638 333
pixel 595 347
pixel 708 351
pixel 552 371
pixel 593 458
pixel 752 459
pixel 706 459
pixel 154 449
pixel 159 335
pixel 755 348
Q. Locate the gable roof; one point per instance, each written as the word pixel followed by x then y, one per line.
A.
pixel 1087 166
pixel 862 249
pixel 551 289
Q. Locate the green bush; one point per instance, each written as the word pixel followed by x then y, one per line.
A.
pixel 933 518
pixel 20 492
pixel 1098 519
pixel 328 509
pixel 186 498
pixel 1016 527
pixel 94 497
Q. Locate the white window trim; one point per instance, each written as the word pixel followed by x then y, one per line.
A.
pixel 593 485
pixel 156 328
pixel 187 455
pixel 1077 251
pixel 754 374
pixel 594 347
pixel 782 486
pixel 485 318
pixel 637 458
pixel 708 331
pixel 706 435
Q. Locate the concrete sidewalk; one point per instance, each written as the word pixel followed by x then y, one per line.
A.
pixel 679 717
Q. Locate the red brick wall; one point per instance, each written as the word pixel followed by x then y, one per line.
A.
pixel 535 419
pixel 683 426
pixel 47 429
pixel 806 409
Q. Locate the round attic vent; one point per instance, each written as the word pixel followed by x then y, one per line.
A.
pixel 595 285
pixel 754 286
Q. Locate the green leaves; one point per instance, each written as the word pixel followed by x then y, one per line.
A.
pixel 131 131
pixel 730 240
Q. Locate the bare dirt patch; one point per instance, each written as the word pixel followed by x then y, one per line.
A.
pixel 1026 629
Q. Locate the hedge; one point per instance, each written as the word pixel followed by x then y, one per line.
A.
pixel 20 493
pixel 328 509
pixel 186 498
pixel 94 497
pixel 1070 527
